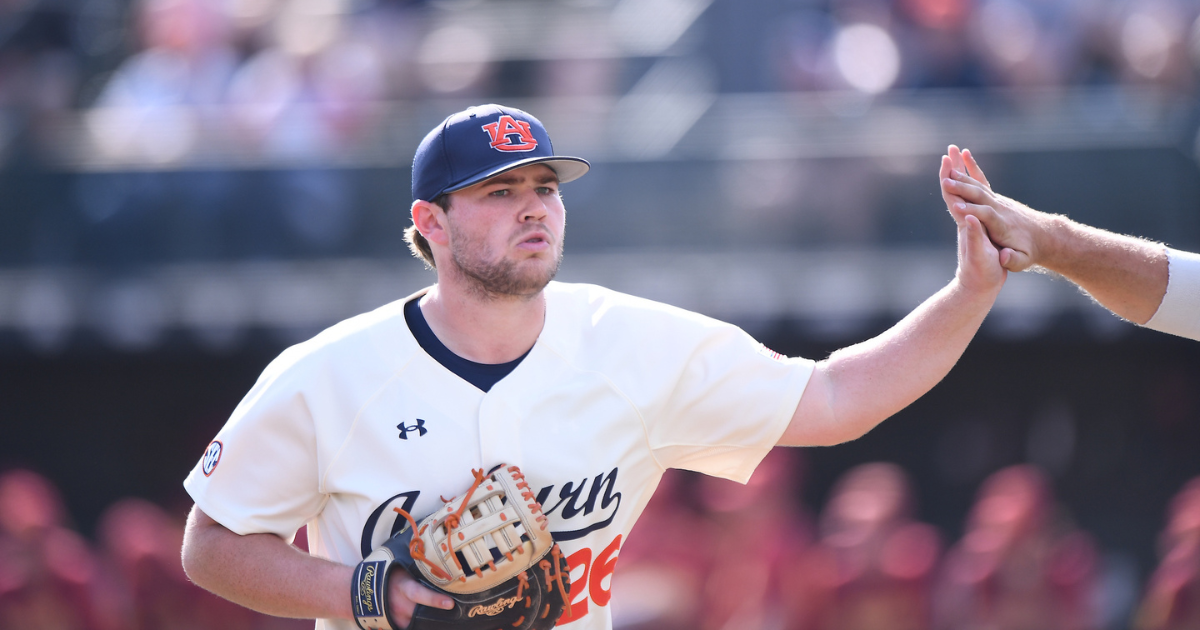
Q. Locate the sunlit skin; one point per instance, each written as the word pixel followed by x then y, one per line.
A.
pixel 496 248
pixel 1125 274
pixel 505 234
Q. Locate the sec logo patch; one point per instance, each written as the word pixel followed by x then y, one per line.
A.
pixel 212 456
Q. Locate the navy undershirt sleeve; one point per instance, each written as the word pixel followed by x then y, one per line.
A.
pixel 481 375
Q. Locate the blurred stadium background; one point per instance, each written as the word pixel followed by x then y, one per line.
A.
pixel 189 186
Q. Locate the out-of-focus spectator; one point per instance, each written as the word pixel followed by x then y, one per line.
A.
pixel 50 579
pixel 1026 43
pixel 1172 600
pixel 1020 565
pixel 147 110
pixel 303 98
pixel 151 114
pixel 873 565
pixel 306 97
pixel 48 575
pixel 141 547
pixel 711 554
pixel 296 83
pixel 1153 40
pixel 757 534
pixel 937 44
pixel 662 564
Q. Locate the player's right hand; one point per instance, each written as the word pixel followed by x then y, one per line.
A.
pixel 404 593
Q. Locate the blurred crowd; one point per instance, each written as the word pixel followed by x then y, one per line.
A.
pixel 267 56
pixel 201 130
pixel 710 554
pixel 707 554
pixel 130 578
pixel 305 77
pixel 878 46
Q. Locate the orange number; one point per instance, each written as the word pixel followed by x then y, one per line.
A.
pixel 591 583
pixel 602 568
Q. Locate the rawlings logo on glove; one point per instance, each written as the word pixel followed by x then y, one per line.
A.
pixel 490 552
pixel 494 609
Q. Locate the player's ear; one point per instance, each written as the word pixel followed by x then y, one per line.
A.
pixel 430 221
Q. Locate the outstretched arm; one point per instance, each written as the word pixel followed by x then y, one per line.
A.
pixel 858 387
pixel 265 573
pixel 1127 275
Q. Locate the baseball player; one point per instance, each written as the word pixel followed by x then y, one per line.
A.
pixel 592 393
pixel 1144 282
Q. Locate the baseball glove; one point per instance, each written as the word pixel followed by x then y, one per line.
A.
pixel 489 551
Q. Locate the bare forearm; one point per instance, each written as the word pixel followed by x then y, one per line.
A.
pixel 858 387
pixel 1125 274
pixel 264 572
pixel 875 379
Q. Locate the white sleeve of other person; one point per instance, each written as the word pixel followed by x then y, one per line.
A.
pixel 1179 313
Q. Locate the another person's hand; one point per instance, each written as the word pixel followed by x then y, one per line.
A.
pixel 1019 232
pixel 956 159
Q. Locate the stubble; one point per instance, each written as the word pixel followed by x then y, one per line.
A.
pixel 495 278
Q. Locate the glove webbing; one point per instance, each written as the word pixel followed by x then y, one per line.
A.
pixel 416 548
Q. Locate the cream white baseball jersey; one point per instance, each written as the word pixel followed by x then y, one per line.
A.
pixel 342 428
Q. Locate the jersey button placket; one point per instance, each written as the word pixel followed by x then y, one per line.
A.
pixel 499 431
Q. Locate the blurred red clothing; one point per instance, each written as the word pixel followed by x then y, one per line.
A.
pixel 661 565
pixel 1172 600
pixel 48 575
pixel 1020 565
pixel 757 534
pixel 141 544
pixel 873 565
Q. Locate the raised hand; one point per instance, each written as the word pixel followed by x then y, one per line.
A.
pixel 979 268
pixel 1016 230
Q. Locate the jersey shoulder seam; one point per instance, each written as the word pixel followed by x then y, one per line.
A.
pixel 617 389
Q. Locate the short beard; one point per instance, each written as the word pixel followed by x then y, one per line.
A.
pixel 501 280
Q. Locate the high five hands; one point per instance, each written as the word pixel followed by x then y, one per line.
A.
pixel 980 259
pixel 1125 274
pixel 1014 229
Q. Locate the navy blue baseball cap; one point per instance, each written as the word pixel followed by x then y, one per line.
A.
pixel 482 142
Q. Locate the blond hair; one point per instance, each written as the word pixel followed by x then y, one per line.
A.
pixel 416 241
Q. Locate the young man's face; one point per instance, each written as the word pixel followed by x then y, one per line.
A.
pixel 506 232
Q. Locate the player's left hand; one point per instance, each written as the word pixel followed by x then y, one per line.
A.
pixel 979 262
pixel 1021 233
pixel 979 268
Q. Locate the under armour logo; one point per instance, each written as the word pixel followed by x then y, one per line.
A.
pixel 510 134
pixel 419 427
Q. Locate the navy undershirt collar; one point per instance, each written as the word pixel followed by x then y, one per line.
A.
pixel 481 375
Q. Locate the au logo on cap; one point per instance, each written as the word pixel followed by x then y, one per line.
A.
pixel 510 134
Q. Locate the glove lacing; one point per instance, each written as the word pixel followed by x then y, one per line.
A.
pixel 416 546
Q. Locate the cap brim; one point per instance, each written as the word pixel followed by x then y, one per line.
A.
pixel 567 169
